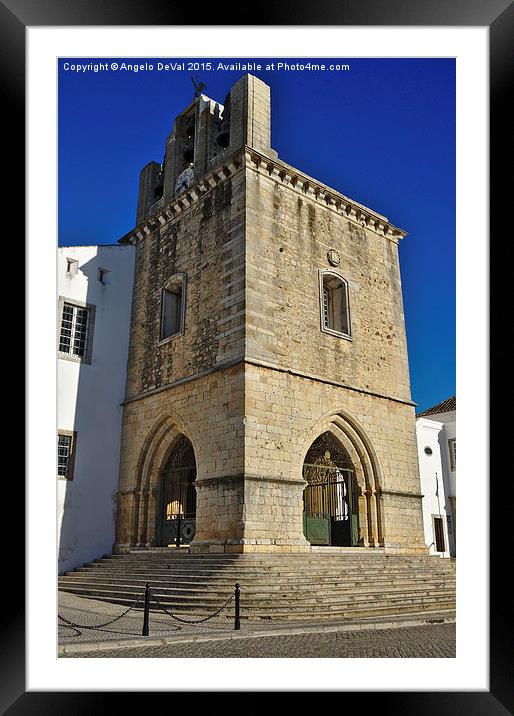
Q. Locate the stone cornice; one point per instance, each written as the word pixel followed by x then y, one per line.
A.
pixel 247 360
pixel 395 493
pixel 247 477
pixel 322 194
pixel 278 171
pixel 176 206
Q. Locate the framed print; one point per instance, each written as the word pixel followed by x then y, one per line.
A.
pixel 64 41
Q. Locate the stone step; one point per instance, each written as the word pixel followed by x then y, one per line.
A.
pixel 258 573
pixel 252 599
pixel 256 589
pixel 256 566
pixel 275 559
pixel 304 610
pixel 243 577
pixel 272 586
pixel 296 562
pixel 357 552
pixel 377 552
pixel 345 613
pixel 297 582
pixel 284 577
pixel 272 574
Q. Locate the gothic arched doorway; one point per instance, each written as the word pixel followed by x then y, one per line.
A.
pixel 177 496
pixel 330 499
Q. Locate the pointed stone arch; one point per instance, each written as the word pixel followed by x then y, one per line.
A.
pixel 174 494
pixel 155 451
pixel 347 430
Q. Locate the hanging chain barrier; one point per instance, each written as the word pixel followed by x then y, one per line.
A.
pixel 147 596
pixel 99 626
pixel 236 596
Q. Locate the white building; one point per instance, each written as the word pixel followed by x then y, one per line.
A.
pixel 95 295
pixel 436 435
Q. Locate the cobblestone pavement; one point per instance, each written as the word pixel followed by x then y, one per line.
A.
pixel 429 641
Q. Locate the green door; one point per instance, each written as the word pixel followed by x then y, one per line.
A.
pixel 316 506
pixel 316 527
pixel 330 514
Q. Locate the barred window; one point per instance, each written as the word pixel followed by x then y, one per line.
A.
pixel 75 334
pixel 65 454
pixel 335 311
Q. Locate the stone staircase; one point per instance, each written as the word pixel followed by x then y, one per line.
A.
pixel 273 587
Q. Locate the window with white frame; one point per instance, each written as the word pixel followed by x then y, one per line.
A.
pixel 65 454
pixel 452 447
pixel 76 330
pixel 172 308
pixel 335 309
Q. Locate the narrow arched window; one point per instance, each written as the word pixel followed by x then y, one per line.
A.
pixel 335 309
pixel 172 307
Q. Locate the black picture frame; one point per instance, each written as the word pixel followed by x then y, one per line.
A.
pixel 498 16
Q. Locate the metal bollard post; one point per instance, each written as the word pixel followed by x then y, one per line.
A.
pixel 146 615
pixel 237 623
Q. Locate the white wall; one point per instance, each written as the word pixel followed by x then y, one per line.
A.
pixel 89 398
pixel 436 479
pixel 448 433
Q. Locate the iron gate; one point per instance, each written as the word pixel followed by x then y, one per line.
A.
pixel 179 506
pixel 178 496
pixel 330 506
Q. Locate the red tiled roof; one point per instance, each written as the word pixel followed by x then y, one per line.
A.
pixel 445 407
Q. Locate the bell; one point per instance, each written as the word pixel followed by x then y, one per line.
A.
pixel 223 139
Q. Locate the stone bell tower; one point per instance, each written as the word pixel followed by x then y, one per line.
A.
pixel 267 398
pixel 202 135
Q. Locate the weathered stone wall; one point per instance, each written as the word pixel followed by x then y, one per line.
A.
pixel 205 242
pixel 288 236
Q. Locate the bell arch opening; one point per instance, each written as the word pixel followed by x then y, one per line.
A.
pixel 331 496
pixel 176 496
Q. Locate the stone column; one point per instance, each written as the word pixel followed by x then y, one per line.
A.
pixel 364 530
pixel 273 515
pixel 219 508
pixel 374 519
pixel 148 182
pixel 403 520
pixel 250 116
pixel 249 514
pixel 127 504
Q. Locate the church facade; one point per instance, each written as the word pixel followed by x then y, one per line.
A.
pixel 267 404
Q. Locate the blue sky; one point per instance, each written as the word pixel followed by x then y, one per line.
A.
pixel 382 132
